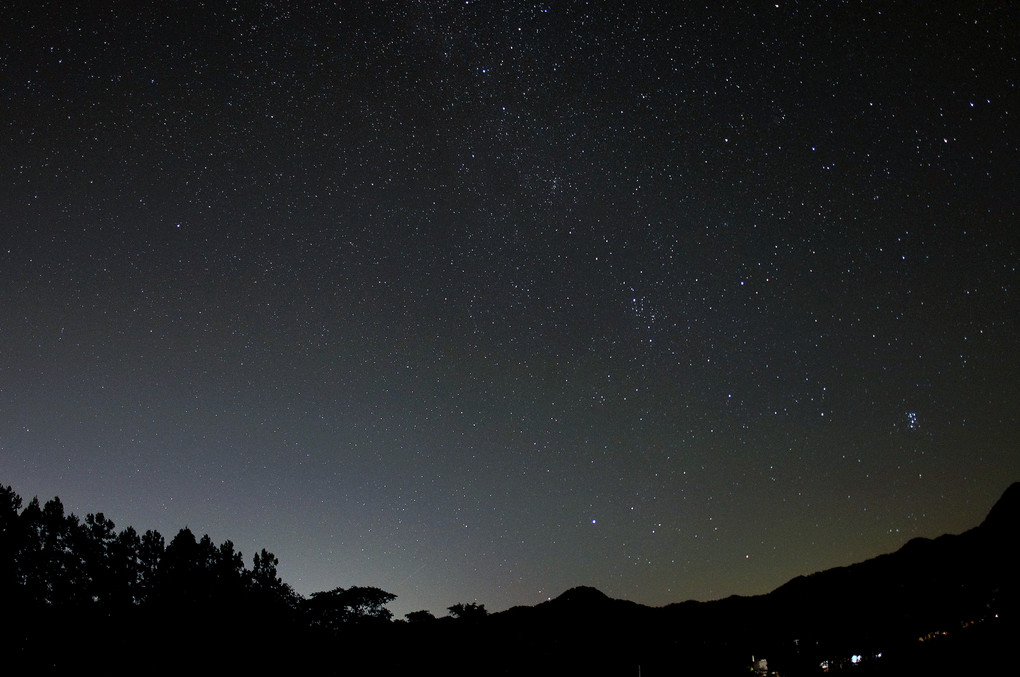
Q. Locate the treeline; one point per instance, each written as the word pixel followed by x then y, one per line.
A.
pixel 53 559
pixel 68 585
pixel 78 594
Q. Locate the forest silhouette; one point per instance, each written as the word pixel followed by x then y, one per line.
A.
pixel 78 593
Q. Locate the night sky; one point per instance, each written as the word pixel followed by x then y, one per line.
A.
pixel 480 301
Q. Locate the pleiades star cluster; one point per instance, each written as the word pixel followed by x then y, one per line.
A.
pixel 479 301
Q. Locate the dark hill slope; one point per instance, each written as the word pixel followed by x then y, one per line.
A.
pixel 964 585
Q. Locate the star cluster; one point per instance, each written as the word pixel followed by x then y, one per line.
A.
pixel 481 301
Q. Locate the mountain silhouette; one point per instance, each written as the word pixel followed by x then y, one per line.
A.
pixel 948 604
pixel 1005 514
pixel 942 606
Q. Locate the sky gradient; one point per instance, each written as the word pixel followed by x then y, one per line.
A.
pixel 480 301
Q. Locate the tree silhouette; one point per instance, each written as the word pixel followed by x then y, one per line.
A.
pixel 422 616
pixel 470 611
pixel 228 564
pixel 48 567
pixel 337 607
pixel 263 570
pixel 126 568
pixel 69 584
pixel 268 589
pixel 10 540
pixel 151 550
pixel 368 604
pixel 94 544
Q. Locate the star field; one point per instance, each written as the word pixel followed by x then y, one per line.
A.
pixel 479 301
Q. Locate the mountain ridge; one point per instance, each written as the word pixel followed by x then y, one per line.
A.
pixel 1003 515
pixel 959 589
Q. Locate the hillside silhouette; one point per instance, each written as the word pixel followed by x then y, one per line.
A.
pixel 80 594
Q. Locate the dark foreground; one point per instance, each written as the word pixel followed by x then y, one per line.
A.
pixel 78 595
